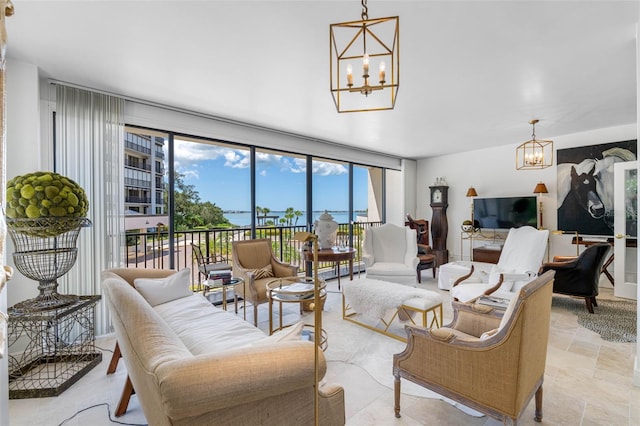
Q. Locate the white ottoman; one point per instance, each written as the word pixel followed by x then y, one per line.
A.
pixel 374 298
pixel 450 272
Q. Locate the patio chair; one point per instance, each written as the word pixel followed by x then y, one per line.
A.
pixel 216 262
pixel 254 261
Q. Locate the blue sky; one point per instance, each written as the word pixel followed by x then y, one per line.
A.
pixel 222 175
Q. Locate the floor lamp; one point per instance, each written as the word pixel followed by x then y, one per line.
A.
pixel 576 236
pixel 306 237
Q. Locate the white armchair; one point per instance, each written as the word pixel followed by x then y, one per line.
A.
pixel 390 254
pixel 519 263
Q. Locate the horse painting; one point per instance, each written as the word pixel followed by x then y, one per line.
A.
pixel 585 193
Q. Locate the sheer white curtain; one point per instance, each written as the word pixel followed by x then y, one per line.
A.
pixel 89 149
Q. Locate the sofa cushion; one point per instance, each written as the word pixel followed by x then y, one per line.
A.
pixel 293 332
pixel 204 328
pixel 162 290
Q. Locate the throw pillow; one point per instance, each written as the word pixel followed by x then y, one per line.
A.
pixel 293 332
pixel 265 272
pixel 162 290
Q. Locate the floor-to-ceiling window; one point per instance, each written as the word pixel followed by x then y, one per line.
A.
pixel 204 192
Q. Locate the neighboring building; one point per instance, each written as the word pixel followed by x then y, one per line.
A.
pixel 144 174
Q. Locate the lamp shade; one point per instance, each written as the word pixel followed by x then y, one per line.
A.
pixel 540 188
pixel 471 192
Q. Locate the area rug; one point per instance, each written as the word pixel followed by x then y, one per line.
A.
pixel 613 320
pixel 373 352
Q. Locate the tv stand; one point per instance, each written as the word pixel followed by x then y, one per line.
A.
pixel 489 236
pixel 487 255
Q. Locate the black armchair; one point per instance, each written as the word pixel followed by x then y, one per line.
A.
pixel 579 276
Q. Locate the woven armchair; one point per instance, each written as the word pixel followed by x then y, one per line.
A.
pixel 490 362
pixel 253 261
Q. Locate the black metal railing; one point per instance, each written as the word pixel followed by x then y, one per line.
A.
pixel 151 250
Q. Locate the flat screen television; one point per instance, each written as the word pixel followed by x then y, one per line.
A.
pixel 505 212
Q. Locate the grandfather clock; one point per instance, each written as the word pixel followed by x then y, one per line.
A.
pixel 439 224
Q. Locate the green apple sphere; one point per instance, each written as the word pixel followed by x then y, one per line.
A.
pixel 45 194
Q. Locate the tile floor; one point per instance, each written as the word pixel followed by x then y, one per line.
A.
pixel 588 381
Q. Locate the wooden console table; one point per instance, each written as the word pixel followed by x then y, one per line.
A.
pixel 334 256
pixel 488 255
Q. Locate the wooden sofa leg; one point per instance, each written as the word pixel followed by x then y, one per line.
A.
pixel 419 276
pixel 125 397
pixel 396 393
pixel 114 359
pixel 538 414
pixel 589 305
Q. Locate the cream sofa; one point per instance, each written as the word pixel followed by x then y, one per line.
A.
pixel 194 364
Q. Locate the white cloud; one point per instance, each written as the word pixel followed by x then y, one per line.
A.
pixel 327 169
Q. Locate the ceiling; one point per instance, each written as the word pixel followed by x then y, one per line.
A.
pixel 473 73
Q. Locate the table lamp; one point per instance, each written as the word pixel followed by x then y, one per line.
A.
pixel 540 188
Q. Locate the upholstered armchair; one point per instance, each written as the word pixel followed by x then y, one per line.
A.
pixel 579 276
pixel 253 261
pixel 492 363
pixel 426 258
pixel 390 254
pixel 519 262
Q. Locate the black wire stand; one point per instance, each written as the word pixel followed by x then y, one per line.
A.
pixel 45 250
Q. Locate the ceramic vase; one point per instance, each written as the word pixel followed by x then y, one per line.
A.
pixel 326 229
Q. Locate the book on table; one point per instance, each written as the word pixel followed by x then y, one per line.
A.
pixel 495 301
pixel 299 291
pixel 218 278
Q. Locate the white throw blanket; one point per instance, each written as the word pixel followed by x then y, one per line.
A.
pixel 373 298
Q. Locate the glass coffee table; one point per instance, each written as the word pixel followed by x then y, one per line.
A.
pixel 210 285
pixel 294 290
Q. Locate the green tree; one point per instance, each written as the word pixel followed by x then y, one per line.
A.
pixel 190 211
pixel 212 215
pixel 288 216
pixel 298 214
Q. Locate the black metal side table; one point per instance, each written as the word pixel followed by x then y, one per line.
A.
pixel 49 350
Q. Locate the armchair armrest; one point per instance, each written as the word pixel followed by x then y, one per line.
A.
pixel 281 269
pixel 368 260
pixel 210 382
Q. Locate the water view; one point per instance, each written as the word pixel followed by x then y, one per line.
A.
pixel 244 218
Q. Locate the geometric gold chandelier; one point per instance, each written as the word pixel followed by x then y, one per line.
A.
pixel 535 153
pixel 357 50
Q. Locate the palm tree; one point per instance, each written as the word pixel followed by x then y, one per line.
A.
pixel 298 214
pixel 288 214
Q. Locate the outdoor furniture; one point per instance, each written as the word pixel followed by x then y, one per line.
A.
pixel 579 276
pixel 519 263
pixel 489 364
pixel 216 262
pixel 390 254
pixel 253 261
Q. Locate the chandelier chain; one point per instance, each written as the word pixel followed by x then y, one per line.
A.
pixel 365 10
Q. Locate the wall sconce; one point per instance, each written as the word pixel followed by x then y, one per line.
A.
pixel 535 153
pixel 540 188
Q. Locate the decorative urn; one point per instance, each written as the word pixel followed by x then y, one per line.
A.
pixel 326 229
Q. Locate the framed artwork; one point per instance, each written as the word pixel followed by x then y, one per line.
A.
pixel 585 186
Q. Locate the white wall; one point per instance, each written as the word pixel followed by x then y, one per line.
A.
pixel 22 155
pixel 492 172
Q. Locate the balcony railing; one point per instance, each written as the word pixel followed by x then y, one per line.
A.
pixel 151 250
